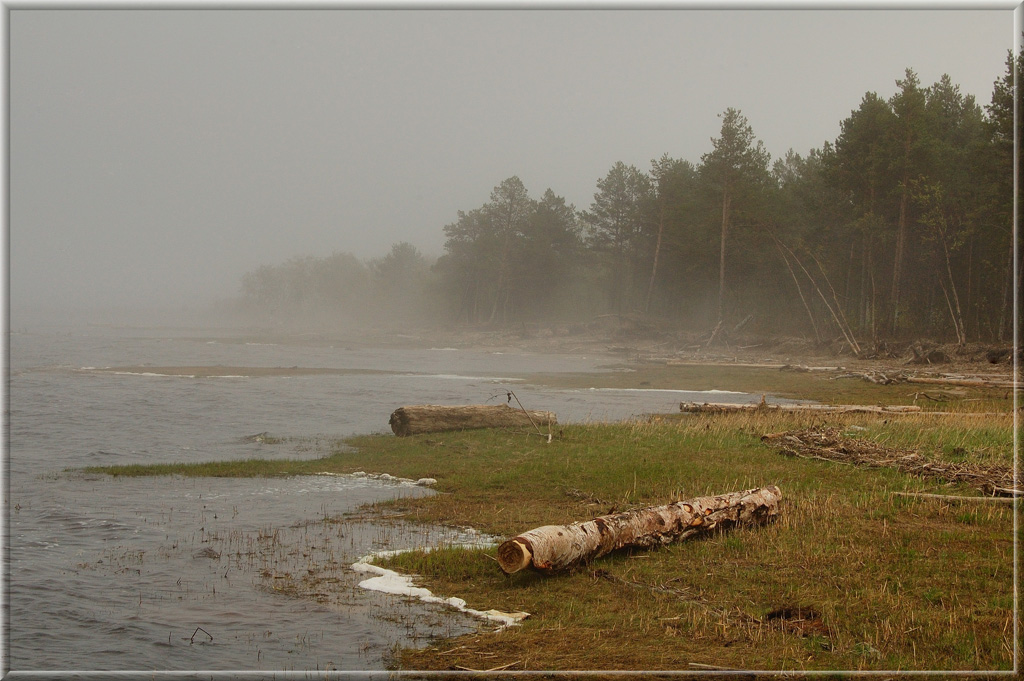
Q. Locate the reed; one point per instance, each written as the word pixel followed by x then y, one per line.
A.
pixel 852 576
pixel 893 582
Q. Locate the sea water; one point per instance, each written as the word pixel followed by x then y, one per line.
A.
pixel 177 574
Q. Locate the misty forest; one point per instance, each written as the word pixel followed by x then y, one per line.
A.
pixel 900 228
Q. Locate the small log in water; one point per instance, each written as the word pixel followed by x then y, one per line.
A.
pixel 432 418
pixel 556 547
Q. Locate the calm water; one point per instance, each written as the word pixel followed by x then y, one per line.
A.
pixel 173 574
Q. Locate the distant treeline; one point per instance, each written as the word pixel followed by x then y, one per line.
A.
pixel 341 291
pixel 901 227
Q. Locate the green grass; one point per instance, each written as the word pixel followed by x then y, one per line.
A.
pixel 899 582
pixel 245 468
pixel 815 386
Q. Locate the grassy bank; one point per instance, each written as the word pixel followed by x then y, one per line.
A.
pixel 881 581
pixel 819 386
pixel 851 576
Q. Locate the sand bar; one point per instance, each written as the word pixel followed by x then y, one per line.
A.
pixel 219 371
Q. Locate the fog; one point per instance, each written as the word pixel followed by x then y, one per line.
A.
pixel 156 157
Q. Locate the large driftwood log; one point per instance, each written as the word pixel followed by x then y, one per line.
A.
pixel 975 381
pixel 556 547
pixel 966 382
pixel 432 418
pixel 723 407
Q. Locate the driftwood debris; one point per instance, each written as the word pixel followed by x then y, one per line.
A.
pixel 432 418
pixel 830 444
pixel 720 363
pixel 800 368
pixel 556 547
pixel 967 381
pixel 724 407
pixel 956 499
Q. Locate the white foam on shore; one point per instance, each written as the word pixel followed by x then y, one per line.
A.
pixel 151 374
pixel 460 377
pixel 391 582
pixel 383 477
pixel 148 373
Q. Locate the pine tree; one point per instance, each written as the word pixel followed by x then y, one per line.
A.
pixel 736 170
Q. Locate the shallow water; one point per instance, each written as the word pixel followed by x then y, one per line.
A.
pixel 172 573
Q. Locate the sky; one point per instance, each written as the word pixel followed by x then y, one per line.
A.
pixel 155 156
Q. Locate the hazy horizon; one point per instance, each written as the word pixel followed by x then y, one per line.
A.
pixel 157 155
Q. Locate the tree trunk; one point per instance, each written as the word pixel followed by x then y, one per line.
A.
pixel 1006 311
pixel 556 547
pixel 844 326
pixel 897 266
pixel 654 267
pixel 970 304
pixel 954 303
pixel 430 418
pixel 721 256
pixel 874 300
pixel 847 294
pixel 807 307
pixel 838 318
pixel 862 305
pixel 502 277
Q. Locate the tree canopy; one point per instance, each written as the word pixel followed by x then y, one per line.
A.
pixel 901 226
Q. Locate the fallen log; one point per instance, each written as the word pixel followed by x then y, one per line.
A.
pixel 725 407
pixel 701 363
pixel 966 382
pixel 902 377
pixel 556 547
pixel 432 418
pixel 800 368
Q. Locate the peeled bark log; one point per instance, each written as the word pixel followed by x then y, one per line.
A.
pixel 556 547
pixel 430 418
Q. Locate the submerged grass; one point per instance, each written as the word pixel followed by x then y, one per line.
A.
pixel 245 468
pixel 865 579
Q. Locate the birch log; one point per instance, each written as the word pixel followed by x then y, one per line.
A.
pixel 432 418
pixel 555 547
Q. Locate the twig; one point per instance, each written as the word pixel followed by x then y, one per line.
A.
pixel 504 666
pixel 698 665
pixel 1007 490
pixel 947 497
pixel 539 432
pixel 452 650
pixel 492 669
pixel 198 629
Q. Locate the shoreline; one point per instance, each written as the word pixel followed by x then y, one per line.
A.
pixel 568 490
pixel 625 339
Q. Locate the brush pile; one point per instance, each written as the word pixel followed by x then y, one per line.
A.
pixel 830 444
